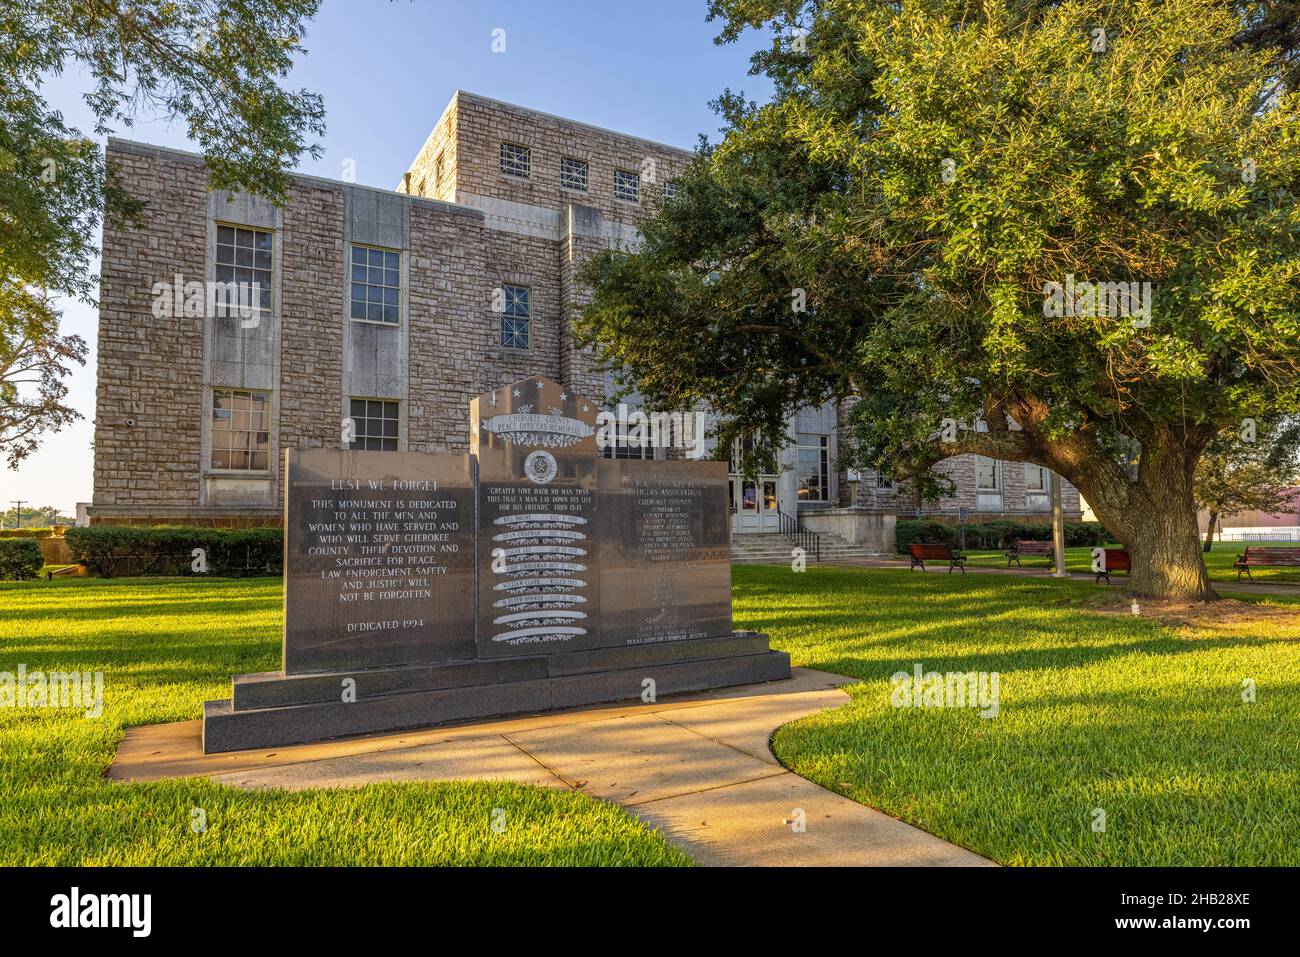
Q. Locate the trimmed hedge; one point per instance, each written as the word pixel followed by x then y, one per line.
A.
pixel 997 534
pixel 20 559
pixel 168 550
pixel 26 532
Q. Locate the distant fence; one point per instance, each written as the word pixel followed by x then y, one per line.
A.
pixel 1285 535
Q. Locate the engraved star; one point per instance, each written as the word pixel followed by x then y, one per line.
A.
pixel 516 393
pixel 494 398
pixel 563 396
pixel 539 384
pixel 585 407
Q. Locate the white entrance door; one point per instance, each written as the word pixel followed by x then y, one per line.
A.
pixel 753 500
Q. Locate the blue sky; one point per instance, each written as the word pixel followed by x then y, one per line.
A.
pixel 387 69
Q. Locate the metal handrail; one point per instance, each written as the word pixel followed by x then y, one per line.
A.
pixel 810 542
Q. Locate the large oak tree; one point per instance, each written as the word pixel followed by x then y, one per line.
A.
pixel 923 175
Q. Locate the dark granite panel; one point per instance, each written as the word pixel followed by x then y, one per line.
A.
pixel 225 729
pixel 538 548
pixel 379 559
pixel 661 653
pixel 273 690
pixel 665 551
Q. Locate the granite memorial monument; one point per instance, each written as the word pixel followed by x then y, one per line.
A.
pixel 530 573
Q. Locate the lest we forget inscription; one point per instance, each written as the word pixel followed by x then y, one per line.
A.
pixel 379 558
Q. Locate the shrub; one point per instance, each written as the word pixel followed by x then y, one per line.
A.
pixel 169 549
pixel 924 532
pixel 996 534
pixel 26 532
pixel 20 559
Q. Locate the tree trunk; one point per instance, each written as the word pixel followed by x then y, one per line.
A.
pixel 1167 557
pixel 1209 533
pixel 1155 518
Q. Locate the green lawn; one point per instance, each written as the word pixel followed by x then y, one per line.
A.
pixel 1218 563
pixel 1112 712
pixel 164 647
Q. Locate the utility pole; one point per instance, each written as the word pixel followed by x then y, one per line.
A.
pixel 1058 529
pixel 18 512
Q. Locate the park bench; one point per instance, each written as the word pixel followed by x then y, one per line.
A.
pixel 935 553
pixel 1117 560
pixel 1274 557
pixel 1024 548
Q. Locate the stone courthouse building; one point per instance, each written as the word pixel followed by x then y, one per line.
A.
pixel 383 312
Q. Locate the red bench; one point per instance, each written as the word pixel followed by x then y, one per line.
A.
pixel 935 553
pixel 1117 560
pixel 1024 548
pixel 1274 557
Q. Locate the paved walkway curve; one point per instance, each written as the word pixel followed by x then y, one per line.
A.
pixel 697 767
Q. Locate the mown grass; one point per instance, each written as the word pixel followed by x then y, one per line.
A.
pixel 165 646
pixel 1110 712
pixel 1096 711
pixel 1218 564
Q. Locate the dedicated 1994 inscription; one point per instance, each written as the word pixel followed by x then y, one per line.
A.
pixel 379 552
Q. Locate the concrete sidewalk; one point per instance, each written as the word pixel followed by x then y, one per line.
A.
pixel 697 767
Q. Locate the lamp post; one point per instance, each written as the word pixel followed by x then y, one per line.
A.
pixel 1058 529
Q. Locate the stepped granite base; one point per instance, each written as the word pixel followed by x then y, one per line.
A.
pixel 272 709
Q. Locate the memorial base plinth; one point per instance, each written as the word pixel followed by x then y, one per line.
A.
pixel 272 710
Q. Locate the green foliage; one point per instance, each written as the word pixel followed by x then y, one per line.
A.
pixel 40 516
pixel 168 550
pixel 998 534
pixel 34 360
pixel 20 559
pixel 1256 470
pixel 924 173
pixel 26 532
pixel 216 67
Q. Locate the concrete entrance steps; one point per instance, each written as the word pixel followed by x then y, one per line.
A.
pixel 771 548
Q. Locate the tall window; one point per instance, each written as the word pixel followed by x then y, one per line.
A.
pixel 988 474
pixel 515 317
pixel 376 284
pixel 376 424
pixel 573 174
pixel 244 258
pixel 618 447
pixel 1036 481
pixel 670 189
pixel 438 168
pixel 627 186
pixel 814 467
pixel 241 429
pixel 516 161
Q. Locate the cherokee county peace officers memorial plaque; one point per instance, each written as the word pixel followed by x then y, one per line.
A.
pixel 529 574
pixel 538 551
pixel 666 555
